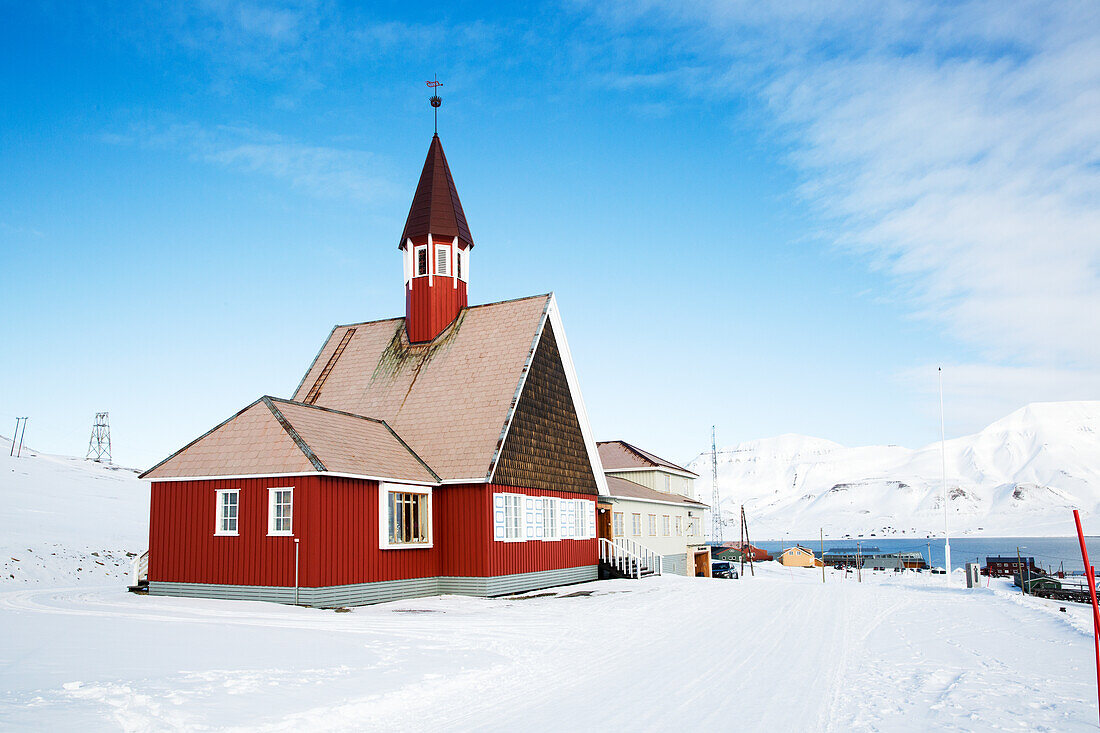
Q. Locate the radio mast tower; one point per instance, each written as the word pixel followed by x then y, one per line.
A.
pixel 99 445
pixel 715 502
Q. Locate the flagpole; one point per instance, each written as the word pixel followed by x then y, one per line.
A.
pixel 943 464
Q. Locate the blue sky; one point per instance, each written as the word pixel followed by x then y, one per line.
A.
pixel 769 218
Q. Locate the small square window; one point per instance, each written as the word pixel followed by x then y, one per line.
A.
pixel 228 505
pixel 280 511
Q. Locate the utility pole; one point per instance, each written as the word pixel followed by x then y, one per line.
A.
pixel 17 452
pixel 716 508
pixel 15 436
pixel 742 542
pixel 1020 570
pixel 929 555
pixel 943 462
pixel 748 540
pixel 859 562
pixel 99 445
pixel 822 554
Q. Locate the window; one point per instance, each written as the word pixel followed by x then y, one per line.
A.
pixel 668 484
pixel 583 518
pixel 550 518
pixel 404 516
pixel 617 524
pixel 421 264
pixel 280 511
pixel 513 517
pixel 459 269
pixel 679 526
pixel 691 528
pixel 442 259
pixel 636 524
pixel 666 528
pixel 227 507
pixel 652 525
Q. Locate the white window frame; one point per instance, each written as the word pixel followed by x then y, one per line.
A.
pixel 506 504
pixel 462 264
pixel 445 260
pixel 271 494
pixel 652 525
pixel 218 506
pixel 550 521
pixel 636 524
pixel 668 484
pixel 384 491
pixel 666 525
pixel 416 261
pixel 679 523
pixel 618 524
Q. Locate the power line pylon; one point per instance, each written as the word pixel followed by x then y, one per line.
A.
pixel 99 445
pixel 716 508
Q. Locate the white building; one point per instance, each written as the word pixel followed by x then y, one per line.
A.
pixel 652 502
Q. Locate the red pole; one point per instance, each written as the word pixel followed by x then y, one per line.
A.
pixel 1090 573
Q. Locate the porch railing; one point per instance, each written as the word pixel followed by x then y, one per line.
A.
pixel 630 558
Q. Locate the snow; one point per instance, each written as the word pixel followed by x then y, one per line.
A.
pixel 1018 477
pixel 777 651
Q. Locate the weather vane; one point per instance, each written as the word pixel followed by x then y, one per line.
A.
pixel 435 100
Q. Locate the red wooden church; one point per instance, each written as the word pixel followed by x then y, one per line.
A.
pixel 447 451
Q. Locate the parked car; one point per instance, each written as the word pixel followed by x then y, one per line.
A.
pixel 723 569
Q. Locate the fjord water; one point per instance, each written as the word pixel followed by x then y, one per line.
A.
pixel 1049 552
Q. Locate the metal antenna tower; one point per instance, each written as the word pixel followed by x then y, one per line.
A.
pixel 716 508
pixel 99 445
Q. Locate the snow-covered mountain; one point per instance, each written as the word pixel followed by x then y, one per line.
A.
pixel 1019 476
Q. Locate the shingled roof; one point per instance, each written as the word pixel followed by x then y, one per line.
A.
pixel 624 489
pixel 274 436
pixel 435 208
pixel 618 455
pixel 452 400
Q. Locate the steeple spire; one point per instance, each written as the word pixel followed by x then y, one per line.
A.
pixel 435 208
pixel 435 247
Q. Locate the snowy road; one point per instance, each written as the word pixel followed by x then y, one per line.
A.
pixel 775 653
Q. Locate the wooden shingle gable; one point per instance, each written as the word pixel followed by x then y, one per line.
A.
pixel 545 447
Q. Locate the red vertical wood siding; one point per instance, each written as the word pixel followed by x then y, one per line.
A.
pixel 431 308
pixel 337 524
pixel 184 549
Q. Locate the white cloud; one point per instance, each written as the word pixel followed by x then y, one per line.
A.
pixel 322 171
pixel 954 146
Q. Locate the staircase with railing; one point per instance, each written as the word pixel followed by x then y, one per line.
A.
pixel 625 558
pixel 139 570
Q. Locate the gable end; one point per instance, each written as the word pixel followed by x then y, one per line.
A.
pixel 545 447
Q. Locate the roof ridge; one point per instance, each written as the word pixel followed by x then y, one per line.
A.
pixel 402 318
pixel 298 439
pixel 324 409
pixel 376 420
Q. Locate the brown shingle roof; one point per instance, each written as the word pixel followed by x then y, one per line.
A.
pixel 278 436
pixel 435 208
pixel 448 399
pixel 620 487
pixel 618 454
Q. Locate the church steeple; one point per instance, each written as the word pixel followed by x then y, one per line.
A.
pixel 435 248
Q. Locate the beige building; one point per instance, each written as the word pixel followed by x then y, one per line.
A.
pixel 798 557
pixel 651 501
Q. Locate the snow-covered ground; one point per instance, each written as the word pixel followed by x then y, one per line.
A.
pixel 775 652
pixel 1017 478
